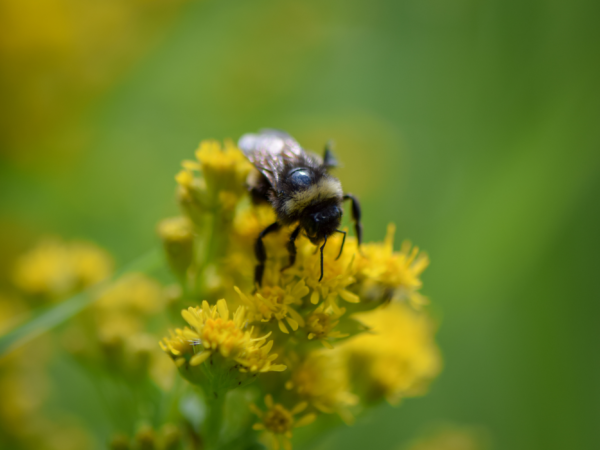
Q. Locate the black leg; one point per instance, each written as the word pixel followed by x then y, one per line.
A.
pixel 322 247
pixel 343 242
pixel 261 253
pixel 291 247
pixel 355 216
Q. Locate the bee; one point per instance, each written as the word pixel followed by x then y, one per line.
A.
pixel 301 190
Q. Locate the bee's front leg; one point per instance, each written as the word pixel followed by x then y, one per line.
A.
pixel 261 253
pixel 356 215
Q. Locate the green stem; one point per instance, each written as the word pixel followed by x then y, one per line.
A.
pixel 213 423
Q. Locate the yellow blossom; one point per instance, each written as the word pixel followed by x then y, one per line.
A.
pixel 223 171
pixel 133 294
pixel 385 274
pixel 275 303
pixel 178 240
pixel 322 322
pixel 278 422
pixel 212 332
pixel 397 359
pixel 224 167
pixel 321 379
pixel 450 437
pixel 338 273
pixel 55 269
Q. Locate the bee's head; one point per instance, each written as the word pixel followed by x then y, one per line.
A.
pixel 322 222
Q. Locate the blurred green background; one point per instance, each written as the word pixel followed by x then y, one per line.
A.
pixel 473 125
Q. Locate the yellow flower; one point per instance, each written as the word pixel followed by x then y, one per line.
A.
pixel 338 273
pixel 322 380
pixel 278 422
pixel 225 168
pixel 397 359
pixel 275 303
pixel 384 274
pixel 212 332
pixel 55 269
pixel 178 241
pixel 134 294
pixel 449 437
pixel 90 263
pixel 322 322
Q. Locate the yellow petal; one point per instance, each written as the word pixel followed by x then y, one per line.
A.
pixel 314 297
pixel 349 296
pixel 299 408
pixel 255 410
pixel 223 310
pixel 179 362
pixel 282 327
pixel 292 323
pixel 326 344
pixel 305 420
pixel 199 358
pixel 269 401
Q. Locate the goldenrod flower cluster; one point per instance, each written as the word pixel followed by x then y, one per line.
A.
pixel 358 336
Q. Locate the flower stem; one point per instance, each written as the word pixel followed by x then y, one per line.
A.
pixel 215 403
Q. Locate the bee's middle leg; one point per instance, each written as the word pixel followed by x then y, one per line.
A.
pixel 261 252
pixel 291 247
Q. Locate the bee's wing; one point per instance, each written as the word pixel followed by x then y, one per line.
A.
pixel 269 151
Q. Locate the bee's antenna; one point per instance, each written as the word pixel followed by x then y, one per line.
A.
pixel 343 241
pixel 322 247
pixel 329 159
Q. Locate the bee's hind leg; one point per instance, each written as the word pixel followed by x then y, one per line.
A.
pixel 291 247
pixel 261 253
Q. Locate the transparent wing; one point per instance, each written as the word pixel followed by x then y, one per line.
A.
pixel 270 151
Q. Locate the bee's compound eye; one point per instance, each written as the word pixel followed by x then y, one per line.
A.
pixel 300 177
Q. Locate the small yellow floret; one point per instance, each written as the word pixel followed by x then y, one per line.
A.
pixel 55 268
pixel 278 422
pixel 382 273
pixel 212 331
pixel 398 358
pixel 322 380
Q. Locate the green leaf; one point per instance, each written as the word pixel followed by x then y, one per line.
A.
pixel 45 319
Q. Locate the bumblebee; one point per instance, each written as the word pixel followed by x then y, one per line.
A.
pixel 301 190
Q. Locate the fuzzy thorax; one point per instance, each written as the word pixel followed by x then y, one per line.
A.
pixel 328 188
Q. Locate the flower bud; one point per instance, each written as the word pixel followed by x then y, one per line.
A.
pixel 178 241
